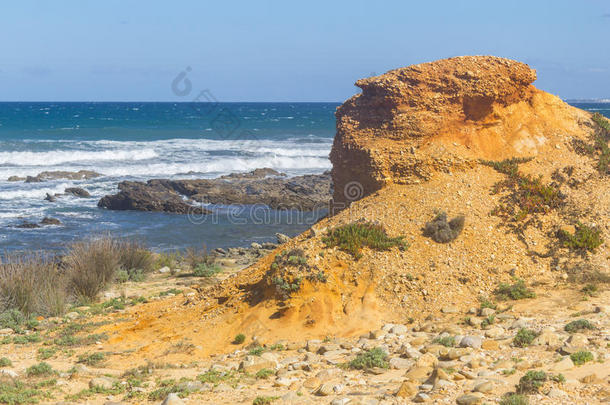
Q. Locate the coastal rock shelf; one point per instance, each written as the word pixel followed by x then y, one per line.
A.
pixel 261 186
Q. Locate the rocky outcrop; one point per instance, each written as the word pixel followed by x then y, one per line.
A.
pixel 410 123
pixel 262 186
pixel 77 192
pixel 56 175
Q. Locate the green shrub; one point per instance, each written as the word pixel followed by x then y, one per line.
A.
pixel 351 238
pixel 206 270
pixel 590 290
pixel 17 321
pixel 584 239
pixel 215 377
pixel 40 369
pixel 447 341
pixel 485 303
pixel 168 259
pixel 92 265
pixel 515 291
pixel 16 392
pixel 514 399
pixel 239 339
pixel 524 337
pixel 581 357
pixel 371 358
pixel 45 353
pixel 490 320
pixel 5 362
pixel 531 382
pixel 256 351
pixel 578 325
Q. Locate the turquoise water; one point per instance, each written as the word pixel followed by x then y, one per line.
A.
pixel 139 141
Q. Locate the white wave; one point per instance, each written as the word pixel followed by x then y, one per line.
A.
pixel 35 193
pixel 221 165
pixel 51 158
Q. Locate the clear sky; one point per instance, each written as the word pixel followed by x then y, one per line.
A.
pixel 127 50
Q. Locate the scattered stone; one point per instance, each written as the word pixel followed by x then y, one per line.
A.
pixel 407 389
pixel 484 387
pixel 565 364
pixel 281 238
pixel 173 399
pixel 471 341
pixel 164 270
pixel 72 315
pixel 102 382
pixel 468 399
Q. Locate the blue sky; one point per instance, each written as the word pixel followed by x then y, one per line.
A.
pixel 120 50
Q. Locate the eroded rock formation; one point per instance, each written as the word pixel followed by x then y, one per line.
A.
pixel 411 122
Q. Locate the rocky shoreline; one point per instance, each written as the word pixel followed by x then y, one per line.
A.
pixel 261 186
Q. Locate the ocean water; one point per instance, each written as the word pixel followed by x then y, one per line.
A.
pixel 140 141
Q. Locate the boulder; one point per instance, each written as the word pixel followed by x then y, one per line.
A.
pixel 50 221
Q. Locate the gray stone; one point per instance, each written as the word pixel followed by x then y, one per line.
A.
pixel 102 382
pixel 172 399
pixel 468 399
pixel 471 341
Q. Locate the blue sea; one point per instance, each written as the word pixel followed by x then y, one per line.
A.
pixel 140 141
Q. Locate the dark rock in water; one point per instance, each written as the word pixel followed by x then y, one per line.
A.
pixel 55 175
pixel 262 186
pixel 27 225
pixel 78 192
pixel 50 221
pixel 50 198
pixel 15 178
pixel 150 196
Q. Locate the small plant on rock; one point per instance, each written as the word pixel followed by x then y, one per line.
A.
pixel 263 400
pixel 264 373
pixel 376 357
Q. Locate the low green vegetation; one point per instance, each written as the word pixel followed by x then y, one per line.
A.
pixel 581 357
pixel 45 353
pixel 17 321
pixel 584 239
pixel 256 351
pixel 16 392
pixel 515 291
pixel 590 290
pixel 94 359
pixel 601 143
pixel 486 303
pixel 167 387
pixel 352 238
pixel 524 194
pixel 524 337
pixel 206 270
pixel 239 339
pixel 371 358
pixel 40 370
pixel 490 320
pixel 578 325
pixel 447 341
pixel 5 362
pixel 264 373
pixel 216 377
pixel 514 399
pixel 264 400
